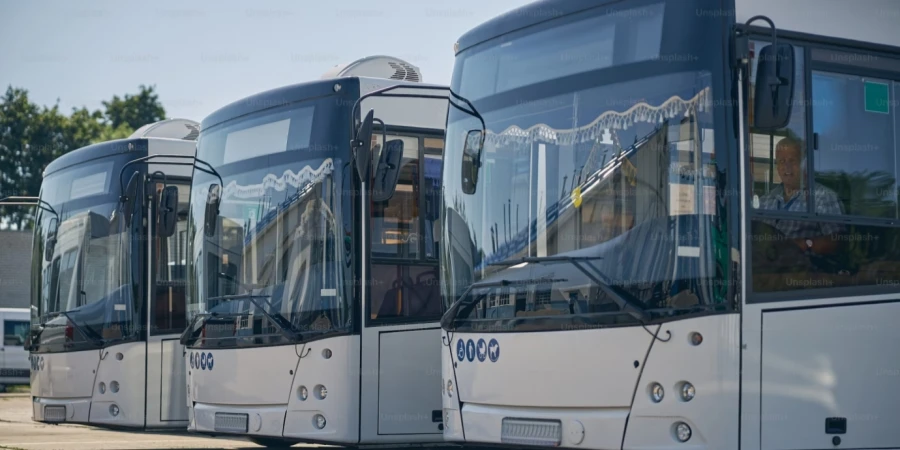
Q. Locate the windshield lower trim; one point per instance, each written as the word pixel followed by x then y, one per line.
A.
pixel 285 341
pixel 587 321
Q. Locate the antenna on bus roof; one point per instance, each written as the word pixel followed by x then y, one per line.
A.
pixel 184 129
pixel 378 66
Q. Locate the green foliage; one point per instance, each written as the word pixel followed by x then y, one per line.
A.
pixel 134 110
pixel 32 136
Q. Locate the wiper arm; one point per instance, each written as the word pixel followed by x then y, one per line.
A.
pixel 452 312
pixel 625 301
pixel 91 336
pixel 186 338
pixel 284 326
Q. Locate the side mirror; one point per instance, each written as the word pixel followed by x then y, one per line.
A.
pixel 168 211
pixel 774 89
pixel 388 171
pixel 210 217
pixel 50 246
pixel 361 145
pixel 472 160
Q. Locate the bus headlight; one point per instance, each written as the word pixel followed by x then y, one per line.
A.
pixel 319 421
pixel 102 387
pixel 302 393
pixel 682 431
pixel 656 392
pixel 687 392
pixel 114 387
pixel 321 392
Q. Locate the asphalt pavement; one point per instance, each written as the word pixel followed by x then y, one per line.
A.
pixel 18 431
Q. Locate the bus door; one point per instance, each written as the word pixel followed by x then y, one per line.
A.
pixel 168 206
pixel 401 337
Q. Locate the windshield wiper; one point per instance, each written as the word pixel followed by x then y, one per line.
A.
pixel 625 301
pixel 91 336
pixel 284 326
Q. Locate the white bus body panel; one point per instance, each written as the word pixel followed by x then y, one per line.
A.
pixel 264 383
pixel 603 400
pixel 131 375
pixel 872 21
pixel 713 368
pixel 64 379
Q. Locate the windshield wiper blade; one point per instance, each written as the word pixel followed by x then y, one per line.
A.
pixel 625 301
pixel 284 326
pixel 92 336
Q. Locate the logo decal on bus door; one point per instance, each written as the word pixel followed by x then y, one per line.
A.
pixel 494 350
pixel 470 350
pixel 203 361
pixel 209 360
pixel 481 350
pixel 460 350
pixel 192 360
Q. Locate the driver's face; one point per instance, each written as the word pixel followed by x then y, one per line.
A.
pixel 787 160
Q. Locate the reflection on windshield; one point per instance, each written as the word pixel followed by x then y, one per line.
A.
pixel 278 240
pixel 85 291
pixel 622 174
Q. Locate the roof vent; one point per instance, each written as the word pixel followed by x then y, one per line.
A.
pixel 379 66
pixel 183 129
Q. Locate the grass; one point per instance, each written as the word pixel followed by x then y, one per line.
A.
pixel 18 389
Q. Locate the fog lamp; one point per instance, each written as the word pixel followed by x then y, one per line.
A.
pixel 114 410
pixel 319 421
pixel 682 431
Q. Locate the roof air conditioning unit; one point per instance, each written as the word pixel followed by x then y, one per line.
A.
pixel 378 66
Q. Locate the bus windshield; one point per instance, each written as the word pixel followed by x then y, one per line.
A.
pixel 597 203
pixel 83 295
pixel 270 268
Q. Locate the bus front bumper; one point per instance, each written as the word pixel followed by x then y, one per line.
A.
pixel 50 410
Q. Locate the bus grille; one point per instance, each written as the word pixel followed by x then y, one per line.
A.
pixel 55 413
pixel 231 423
pixel 547 433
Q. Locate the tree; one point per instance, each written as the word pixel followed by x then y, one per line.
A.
pixel 135 111
pixel 31 137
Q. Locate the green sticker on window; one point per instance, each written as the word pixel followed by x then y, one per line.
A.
pixel 878 97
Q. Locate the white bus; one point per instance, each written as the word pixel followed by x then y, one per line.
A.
pixel 108 281
pixel 635 258
pixel 314 299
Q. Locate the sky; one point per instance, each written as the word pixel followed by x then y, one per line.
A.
pixel 202 55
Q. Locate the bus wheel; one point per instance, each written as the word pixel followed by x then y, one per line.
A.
pixel 269 442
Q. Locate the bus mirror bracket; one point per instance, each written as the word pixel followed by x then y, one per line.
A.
pixel 387 172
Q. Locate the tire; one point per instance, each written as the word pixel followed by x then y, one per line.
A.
pixel 270 442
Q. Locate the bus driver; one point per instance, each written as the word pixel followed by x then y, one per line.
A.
pixel 790 195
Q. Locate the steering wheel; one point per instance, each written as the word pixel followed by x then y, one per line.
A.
pixel 778 250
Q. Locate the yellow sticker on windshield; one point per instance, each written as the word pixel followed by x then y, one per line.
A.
pixel 576 196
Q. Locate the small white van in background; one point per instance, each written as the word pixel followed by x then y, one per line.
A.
pixel 14 366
